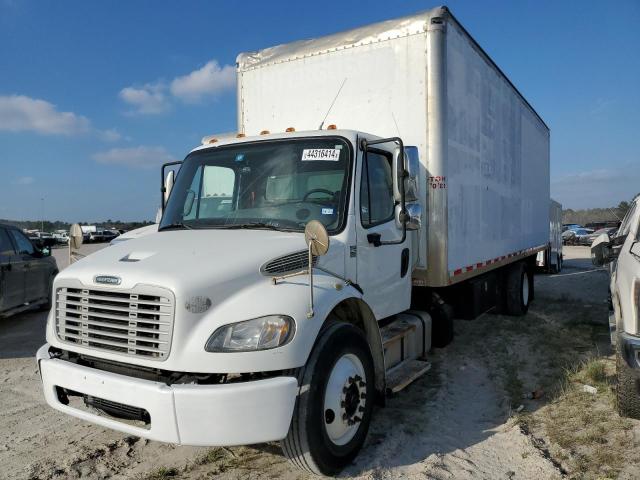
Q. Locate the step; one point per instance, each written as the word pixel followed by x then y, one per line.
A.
pixel 395 331
pixel 405 373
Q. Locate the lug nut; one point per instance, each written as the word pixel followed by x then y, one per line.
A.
pixel 356 419
pixel 361 409
pixel 363 395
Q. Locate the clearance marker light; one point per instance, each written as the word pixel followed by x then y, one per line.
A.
pixel 264 132
pixel 213 140
pixel 290 129
pixel 332 127
pixel 240 135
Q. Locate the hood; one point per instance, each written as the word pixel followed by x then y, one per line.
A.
pixel 192 260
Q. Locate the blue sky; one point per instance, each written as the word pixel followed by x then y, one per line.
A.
pixel 94 96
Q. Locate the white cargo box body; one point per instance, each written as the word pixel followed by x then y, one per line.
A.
pixel 484 150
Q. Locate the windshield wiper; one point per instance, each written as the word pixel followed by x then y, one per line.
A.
pixel 253 225
pixel 175 226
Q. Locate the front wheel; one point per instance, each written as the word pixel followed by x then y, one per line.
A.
pixel 335 402
pixel 628 388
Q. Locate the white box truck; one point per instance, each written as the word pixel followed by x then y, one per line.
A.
pixel 302 271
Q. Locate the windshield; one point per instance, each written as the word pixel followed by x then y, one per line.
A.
pixel 280 184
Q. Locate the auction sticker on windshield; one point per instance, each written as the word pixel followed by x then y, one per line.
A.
pixel 330 154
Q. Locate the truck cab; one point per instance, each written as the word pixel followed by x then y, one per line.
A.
pixel 175 336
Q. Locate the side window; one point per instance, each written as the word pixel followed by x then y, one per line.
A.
pixel 25 247
pixel 6 247
pixel 376 190
pixel 625 226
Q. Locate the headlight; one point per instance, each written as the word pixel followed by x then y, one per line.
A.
pixel 258 334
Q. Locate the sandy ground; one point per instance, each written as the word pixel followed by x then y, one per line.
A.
pixel 456 422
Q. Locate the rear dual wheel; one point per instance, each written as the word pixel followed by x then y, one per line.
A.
pixel 518 289
pixel 335 402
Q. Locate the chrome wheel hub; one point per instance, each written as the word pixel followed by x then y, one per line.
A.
pixel 345 399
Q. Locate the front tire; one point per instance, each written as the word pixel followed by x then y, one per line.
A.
pixel 628 389
pixel 335 402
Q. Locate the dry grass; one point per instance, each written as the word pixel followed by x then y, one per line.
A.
pixel 584 430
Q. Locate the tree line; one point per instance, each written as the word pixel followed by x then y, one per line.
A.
pixel 52 226
pixel 593 215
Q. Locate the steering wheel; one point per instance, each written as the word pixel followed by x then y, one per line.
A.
pixel 317 190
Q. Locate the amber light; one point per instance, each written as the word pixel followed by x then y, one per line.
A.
pixel 213 140
pixel 332 127
pixel 264 132
pixel 240 135
pixel 290 129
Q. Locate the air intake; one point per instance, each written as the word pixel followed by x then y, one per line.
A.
pixel 290 263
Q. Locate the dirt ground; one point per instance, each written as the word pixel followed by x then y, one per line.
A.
pixel 469 417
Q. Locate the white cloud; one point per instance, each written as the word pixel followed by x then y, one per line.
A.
pixel 599 188
pixel 19 113
pixel 24 181
pixel 135 157
pixel 110 135
pixel 155 98
pixel 150 99
pixel 209 80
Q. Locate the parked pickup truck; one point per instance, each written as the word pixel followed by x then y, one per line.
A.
pixel 301 271
pixel 622 253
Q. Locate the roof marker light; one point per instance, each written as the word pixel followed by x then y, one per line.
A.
pixel 332 127
pixel 290 129
pixel 212 140
pixel 240 135
pixel 264 132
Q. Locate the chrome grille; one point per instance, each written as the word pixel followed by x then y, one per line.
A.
pixel 292 262
pixel 131 323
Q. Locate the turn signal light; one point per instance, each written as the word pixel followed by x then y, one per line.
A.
pixel 290 129
pixel 264 132
pixel 332 127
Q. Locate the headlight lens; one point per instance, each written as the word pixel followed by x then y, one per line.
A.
pixel 258 334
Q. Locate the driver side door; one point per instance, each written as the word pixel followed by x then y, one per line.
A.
pixel 382 271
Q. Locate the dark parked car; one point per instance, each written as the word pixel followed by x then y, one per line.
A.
pixel 26 272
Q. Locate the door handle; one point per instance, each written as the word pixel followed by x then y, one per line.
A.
pixel 374 238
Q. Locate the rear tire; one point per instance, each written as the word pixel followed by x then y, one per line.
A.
pixel 335 402
pixel 518 290
pixel 442 325
pixel 628 389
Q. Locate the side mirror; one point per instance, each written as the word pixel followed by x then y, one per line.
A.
pixel 412 167
pixel 398 172
pixel 601 251
pixel 168 185
pixel 412 216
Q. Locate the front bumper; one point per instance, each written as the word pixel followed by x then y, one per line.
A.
pixel 629 346
pixel 205 415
